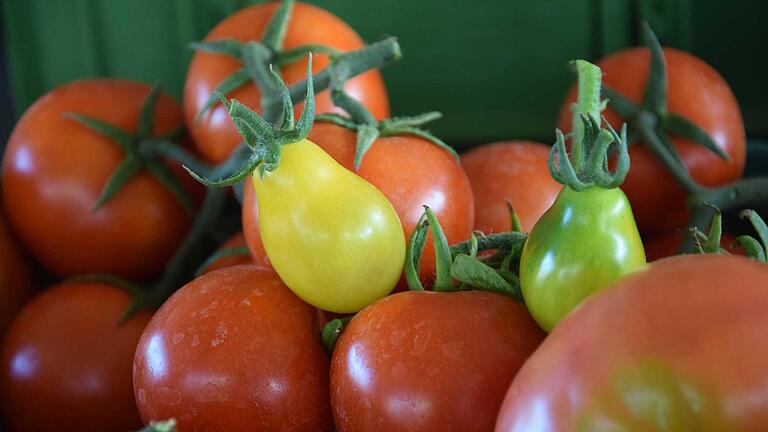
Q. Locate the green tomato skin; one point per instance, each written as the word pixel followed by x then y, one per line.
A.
pixel 582 244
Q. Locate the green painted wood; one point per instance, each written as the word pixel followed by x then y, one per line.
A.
pixel 496 68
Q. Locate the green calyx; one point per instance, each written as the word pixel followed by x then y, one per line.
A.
pixel 587 164
pixel 143 152
pixel 754 248
pixel 368 130
pixel 653 123
pixel 264 139
pixel 257 57
pixel 458 267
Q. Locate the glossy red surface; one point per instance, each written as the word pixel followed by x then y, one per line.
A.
pixel 234 350
pixel 55 169
pixel 426 361
pixel 66 362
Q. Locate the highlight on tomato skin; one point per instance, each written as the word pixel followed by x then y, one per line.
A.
pixel 669 333
pixel 429 361
pixel 214 134
pixel 55 170
pixel 234 350
pixel 66 361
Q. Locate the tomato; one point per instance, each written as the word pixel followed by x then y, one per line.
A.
pixel 214 133
pixel 66 361
pixel 16 279
pixel 513 172
pixel 54 171
pixel 667 245
pixel 236 241
pixel 678 346
pixel 410 171
pixel 584 242
pixel 332 237
pixel 429 361
pixel 234 350
pixel 696 92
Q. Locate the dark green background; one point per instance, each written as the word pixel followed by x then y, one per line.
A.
pixel 495 68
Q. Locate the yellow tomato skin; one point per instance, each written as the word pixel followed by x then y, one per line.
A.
pixel 333 238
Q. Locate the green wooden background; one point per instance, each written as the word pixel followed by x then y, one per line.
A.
pixel 495 68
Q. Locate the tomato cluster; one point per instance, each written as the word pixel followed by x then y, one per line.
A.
pixel 540 311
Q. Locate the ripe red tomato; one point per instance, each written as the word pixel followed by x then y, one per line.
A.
pixel 668 245
pixel 54 171
pixel 678 346
pixel 698 93
pixel 514 172
pixel 428 361
pixel 410 171
pixel 66 362
pixel 214 133
pixel 234 350
pixel 16 280
pixel 235 241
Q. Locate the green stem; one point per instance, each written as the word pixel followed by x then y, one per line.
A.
pixel 587 102
pixel 178 269
pixel 647 129
pixel 490 242
pixel 373 56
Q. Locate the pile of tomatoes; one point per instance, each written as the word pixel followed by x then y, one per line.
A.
pixel 113 321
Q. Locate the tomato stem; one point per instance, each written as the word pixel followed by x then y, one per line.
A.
pixel 587 164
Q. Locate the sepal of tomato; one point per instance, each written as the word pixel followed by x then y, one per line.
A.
pixel 307 25
pixel 333 237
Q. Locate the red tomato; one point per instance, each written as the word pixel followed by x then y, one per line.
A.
pixel 55 169
pixel 234 350
pixel 214 133
pixel 16 280
pixel 235 241
pixel 668 245
pixel 698 93
pixel 410 171
pixel 427 361
pixel 678 346
pixel 66 362
pixel 514 172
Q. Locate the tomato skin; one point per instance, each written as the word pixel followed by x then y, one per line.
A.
pixel 234 350
pixel 410 171
pixel 55 169
pixel 698 93
pixel 215 135
pixel 66 362
pixel 692 315
pixel 428 361
pixel 583 243
pixel 514 172
pixel 16 279
pixel 237 240
pixel 334 238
